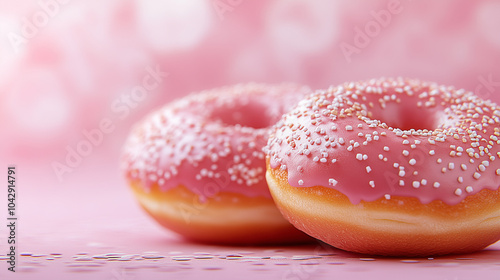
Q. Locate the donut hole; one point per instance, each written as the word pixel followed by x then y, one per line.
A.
pixel 406 116
pixel 248 113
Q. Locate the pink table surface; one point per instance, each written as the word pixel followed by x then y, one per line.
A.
pixel 94 229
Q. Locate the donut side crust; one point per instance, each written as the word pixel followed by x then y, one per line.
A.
pixel 399 226
pixel 227 218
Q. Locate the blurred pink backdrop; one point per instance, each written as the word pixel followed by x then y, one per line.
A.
pixel 67 66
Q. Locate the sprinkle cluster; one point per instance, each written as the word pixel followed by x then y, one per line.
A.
pixel 281 260
pixel 387 137
pixel 211 141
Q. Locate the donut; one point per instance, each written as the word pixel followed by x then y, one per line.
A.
pixel 197 165
pixel 392 166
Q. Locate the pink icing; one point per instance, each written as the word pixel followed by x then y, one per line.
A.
pixel 211 141
pixel 391 137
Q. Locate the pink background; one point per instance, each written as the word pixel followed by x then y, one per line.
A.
pixel 67 66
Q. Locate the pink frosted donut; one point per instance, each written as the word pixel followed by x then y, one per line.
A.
pixel 390 167
pixel 198 168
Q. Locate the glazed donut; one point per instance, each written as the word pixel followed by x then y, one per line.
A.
pixel 394 167
pixel 197 165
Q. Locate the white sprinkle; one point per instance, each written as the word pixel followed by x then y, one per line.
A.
pixel 349 148
pixel 463 166
pixel 476 175
pixel 458 192
pixel 406 142
pixel 436 185
pixel 451 166
pixel 401 183
pixel 315 159
pixel 416 184
pixel 412 161
pixel 396 165
pixel 359 156
pixel 401 173
pixel 332 182
pixel 482 168
pixel 348 127
pixel 405 153
pixel 372 184
pixel 368 169
pixel 387 196
pixel 423 182
pixel 497 172
pixel 469 189
pixel 386 148
pixel 432 152
pixel 380 156
pixel 301 182
pixel 323 160
pixel 460 179
pixel 334 160
pixel 365 157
